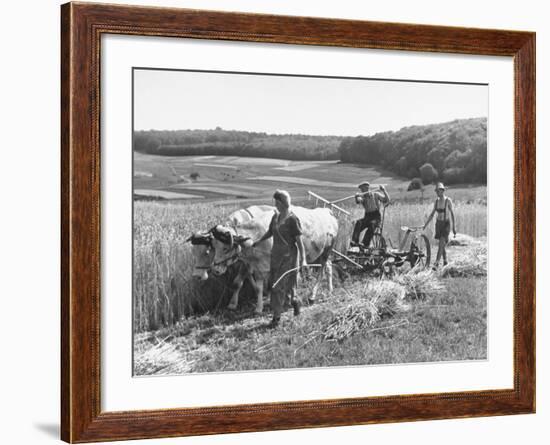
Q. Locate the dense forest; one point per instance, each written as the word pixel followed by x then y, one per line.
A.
pixel 237 143
pixel 454 152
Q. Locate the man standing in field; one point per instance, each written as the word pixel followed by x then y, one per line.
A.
pixel 443 206
pixel 370 201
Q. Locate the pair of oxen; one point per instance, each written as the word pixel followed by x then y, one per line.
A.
pixel 230 245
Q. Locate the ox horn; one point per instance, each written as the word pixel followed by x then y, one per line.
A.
pixel 230 240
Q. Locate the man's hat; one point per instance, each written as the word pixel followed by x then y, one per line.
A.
pixel 364 184
pixel 440 186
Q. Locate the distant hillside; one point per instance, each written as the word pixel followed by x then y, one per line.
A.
pixel 457 150
pixel 237 143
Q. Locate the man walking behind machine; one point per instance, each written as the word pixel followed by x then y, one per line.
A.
pixel 371 201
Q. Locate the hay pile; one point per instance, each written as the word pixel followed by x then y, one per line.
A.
pixel 378 299
pixel 421 284
pixel 366 307
pixel 468 262
pixel 155 359
pixel 461 239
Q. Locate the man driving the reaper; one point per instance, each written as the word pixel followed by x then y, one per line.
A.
pixel 370 200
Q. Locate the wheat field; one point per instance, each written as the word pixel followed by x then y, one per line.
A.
pixel 163 289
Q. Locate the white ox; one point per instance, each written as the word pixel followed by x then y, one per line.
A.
pixel 234 243
pixel 203 252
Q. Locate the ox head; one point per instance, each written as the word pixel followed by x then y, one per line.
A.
pixel 203 254
pixel 227 247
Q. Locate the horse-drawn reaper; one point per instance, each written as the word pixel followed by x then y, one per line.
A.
pixel 375 255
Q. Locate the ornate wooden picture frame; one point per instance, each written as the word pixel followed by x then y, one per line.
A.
pixel 82 25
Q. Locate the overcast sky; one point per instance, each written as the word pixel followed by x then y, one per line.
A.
pixel 179 100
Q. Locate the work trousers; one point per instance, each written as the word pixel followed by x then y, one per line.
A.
pixel 370 221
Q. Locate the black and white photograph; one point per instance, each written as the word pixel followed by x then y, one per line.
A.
pixel 287 221
pixel 275 222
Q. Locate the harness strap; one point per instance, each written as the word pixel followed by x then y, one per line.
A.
pixel 279 233
pixel 232 257
pixel 444 209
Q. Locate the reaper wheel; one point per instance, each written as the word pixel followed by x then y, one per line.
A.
pixel 420 252
pixel 377 252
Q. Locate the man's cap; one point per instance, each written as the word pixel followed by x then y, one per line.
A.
pixel 440 186
pixel 364 184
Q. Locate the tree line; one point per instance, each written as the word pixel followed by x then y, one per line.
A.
pixel 221 142
pixel 453 152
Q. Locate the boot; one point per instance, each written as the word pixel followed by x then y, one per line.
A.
pixel 296 306
pixel 274 322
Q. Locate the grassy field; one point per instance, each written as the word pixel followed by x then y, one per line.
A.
pixel 220 179
pixel 183 326
pixel 442 326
